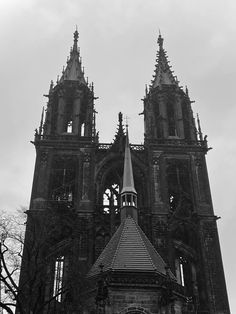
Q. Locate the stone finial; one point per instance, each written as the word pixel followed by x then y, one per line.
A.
pixel 76 36
pixel 160 41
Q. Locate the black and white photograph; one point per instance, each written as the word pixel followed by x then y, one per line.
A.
pixel 117 177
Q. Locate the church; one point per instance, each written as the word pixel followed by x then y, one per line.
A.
pixel 121 228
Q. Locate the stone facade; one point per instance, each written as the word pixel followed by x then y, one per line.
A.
pixel 75 202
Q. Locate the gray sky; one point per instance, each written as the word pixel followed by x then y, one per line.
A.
pixel 118 47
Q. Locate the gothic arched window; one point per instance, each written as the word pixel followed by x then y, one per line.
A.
pixel 179 187
pixel 179 269
pixel 185 271
pixel 58 278
pixel 69 127
pixel 68 117
pixel 111 199
pixel 63 181
pixel 171 119
pixel 82 130
pixel 107 209
pixel 186 120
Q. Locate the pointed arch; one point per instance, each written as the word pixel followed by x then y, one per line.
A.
pixel 134 310
pixel 108 185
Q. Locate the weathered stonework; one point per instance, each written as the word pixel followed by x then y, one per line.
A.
pixel 75 205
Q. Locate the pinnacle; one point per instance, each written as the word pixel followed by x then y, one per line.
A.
pixel 76 36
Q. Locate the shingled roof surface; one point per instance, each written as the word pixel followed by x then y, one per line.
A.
pixel 129 250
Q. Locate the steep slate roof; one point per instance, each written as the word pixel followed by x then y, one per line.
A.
pixel 129 250
pixel 163 73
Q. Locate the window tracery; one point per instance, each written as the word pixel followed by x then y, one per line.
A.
pixel 68 117
pixel 58 278
pixel 179 188
pixel 171 119
pixel 63 181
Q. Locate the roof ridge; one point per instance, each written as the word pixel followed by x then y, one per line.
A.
pixel 119 243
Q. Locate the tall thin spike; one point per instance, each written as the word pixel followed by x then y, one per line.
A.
pixel 41 122
pixel 51 86
pixel 128 179
pixel 76 36
pixel 199 128
pixel 160 41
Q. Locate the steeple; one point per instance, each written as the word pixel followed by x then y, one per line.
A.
pixel 74 70
pixel 163 73
pixel 167 108
pixel 70 108
pixel 128 192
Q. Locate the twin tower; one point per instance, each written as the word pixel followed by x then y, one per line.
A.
pixel 121 228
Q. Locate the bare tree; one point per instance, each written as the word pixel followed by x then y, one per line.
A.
pixel 32 290
pixel 12 230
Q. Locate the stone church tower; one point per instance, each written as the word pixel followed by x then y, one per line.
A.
pixel 121 228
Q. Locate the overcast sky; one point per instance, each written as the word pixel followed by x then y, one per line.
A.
pixel 118 48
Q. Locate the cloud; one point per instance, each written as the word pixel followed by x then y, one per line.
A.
pixel 118 46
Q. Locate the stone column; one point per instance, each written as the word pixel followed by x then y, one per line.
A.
pixel 60 115
pixel 76 113
pixel 156 180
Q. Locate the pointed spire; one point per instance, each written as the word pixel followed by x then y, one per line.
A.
pixel 128 179
pixel 76 36
pixel 74 70
pixel 160 41
pixel 199 128
pixel 120 131
pixel 163 73
pixel 128 192
pixel 41 122
pixel 119 140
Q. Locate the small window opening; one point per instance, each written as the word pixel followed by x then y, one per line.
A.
pixel 123 200
pixel 82 129
pixel 173 201
pixel 69 127
pixel 181 273
pixel 106 210
pixel 58 278
pixel 129 203
pixel 180 261
pixel 171 119
pixel 128 200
